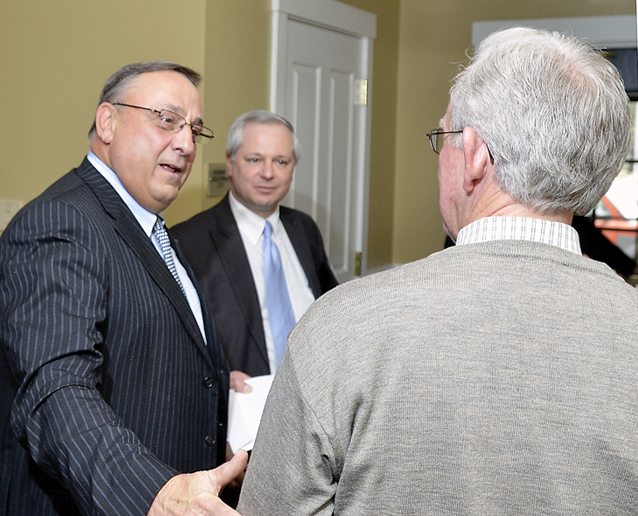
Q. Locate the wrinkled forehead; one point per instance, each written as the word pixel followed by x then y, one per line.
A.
pixel 164 89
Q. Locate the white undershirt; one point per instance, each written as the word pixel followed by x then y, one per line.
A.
pixel 251 228
pixel 147 220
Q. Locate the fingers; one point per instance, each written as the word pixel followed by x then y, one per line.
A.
pixel 229 472
pixel 238 382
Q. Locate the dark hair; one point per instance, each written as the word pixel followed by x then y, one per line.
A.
pixel 122 78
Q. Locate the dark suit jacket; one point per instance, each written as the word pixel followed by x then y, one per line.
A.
pixel 213 246
pixel 113 389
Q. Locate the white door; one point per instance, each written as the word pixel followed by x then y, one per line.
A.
pixel 321 71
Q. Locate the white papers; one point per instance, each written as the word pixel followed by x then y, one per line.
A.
pixel 244 413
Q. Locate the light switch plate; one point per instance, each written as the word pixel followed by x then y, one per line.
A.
pixel 218 183
pixel 8 208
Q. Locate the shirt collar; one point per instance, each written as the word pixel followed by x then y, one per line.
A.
pixel 521 228
pixel 252 224
pixel 145 218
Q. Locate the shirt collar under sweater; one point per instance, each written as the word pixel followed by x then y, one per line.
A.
pixel 520 228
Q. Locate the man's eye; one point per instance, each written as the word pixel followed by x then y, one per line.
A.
pixel 197 130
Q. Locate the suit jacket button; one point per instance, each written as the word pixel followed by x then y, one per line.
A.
pixel 210 440
pixel 208 382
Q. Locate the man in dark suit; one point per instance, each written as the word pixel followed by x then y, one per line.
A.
pixel 113 382
pixel 224 245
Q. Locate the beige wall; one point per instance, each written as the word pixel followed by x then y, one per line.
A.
pixel 57 55
pixel 434 36
pixel 237 61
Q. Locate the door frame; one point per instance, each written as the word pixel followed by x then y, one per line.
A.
pixel 339 17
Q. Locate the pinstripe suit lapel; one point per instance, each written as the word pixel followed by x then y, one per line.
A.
pixel 131 232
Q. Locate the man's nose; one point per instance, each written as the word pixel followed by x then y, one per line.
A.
pixel 267 169
pixel 184 141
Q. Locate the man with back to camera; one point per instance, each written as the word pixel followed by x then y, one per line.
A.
pixel 499 376
pixel 225 247
pixel 112 382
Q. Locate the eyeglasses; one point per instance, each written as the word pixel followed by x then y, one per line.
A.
pixel 437 139
pixel 172 122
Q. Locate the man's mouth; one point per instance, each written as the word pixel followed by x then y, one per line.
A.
pixel 171 168
pixel 265 188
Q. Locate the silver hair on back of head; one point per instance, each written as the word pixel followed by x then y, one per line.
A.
pixel 119 81
pixel 258 116
pixel 553 112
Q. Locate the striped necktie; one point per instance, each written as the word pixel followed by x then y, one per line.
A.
pixel 167 253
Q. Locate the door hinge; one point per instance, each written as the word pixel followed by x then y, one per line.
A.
pixel 361 92
pixel 357 264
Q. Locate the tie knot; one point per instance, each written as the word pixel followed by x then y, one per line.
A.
pixel 267 229
pixel 159 224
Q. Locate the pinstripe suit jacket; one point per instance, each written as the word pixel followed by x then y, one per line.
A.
pixel 213 246
pixel 107 388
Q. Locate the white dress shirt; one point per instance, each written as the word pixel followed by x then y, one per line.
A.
pixel 251 228
pixel 147 220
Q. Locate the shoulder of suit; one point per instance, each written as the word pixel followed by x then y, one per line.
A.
pixel 198 223
pixel 286 213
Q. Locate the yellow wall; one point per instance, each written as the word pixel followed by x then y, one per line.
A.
pixel 57 55
pixel 237 64
pixel 434 37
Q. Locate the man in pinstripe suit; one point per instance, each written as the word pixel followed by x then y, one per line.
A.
pixel 112 384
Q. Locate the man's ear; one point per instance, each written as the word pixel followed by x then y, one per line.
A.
pixel 105 121
pixel 477 159
pixel 229 166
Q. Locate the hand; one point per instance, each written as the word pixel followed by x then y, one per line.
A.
pixel 238 382
pixel 197 493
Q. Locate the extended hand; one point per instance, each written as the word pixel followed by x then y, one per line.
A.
pixel 197 493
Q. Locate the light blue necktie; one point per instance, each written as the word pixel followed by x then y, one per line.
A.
pixel 280 313
pixel 165 246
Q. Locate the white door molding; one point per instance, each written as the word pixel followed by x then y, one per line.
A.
pixel 338 17
pixel 329 14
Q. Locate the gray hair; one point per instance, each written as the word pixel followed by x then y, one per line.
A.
pixel 258 116
pixel 120 80
pixel 553 113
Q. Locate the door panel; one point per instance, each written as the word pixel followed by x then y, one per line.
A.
pixel 321 69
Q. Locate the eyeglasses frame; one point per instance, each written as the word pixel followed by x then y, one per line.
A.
pixel 186 122
pixel 438 131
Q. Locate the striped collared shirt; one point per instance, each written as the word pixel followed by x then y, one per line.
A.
pixel 520 228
